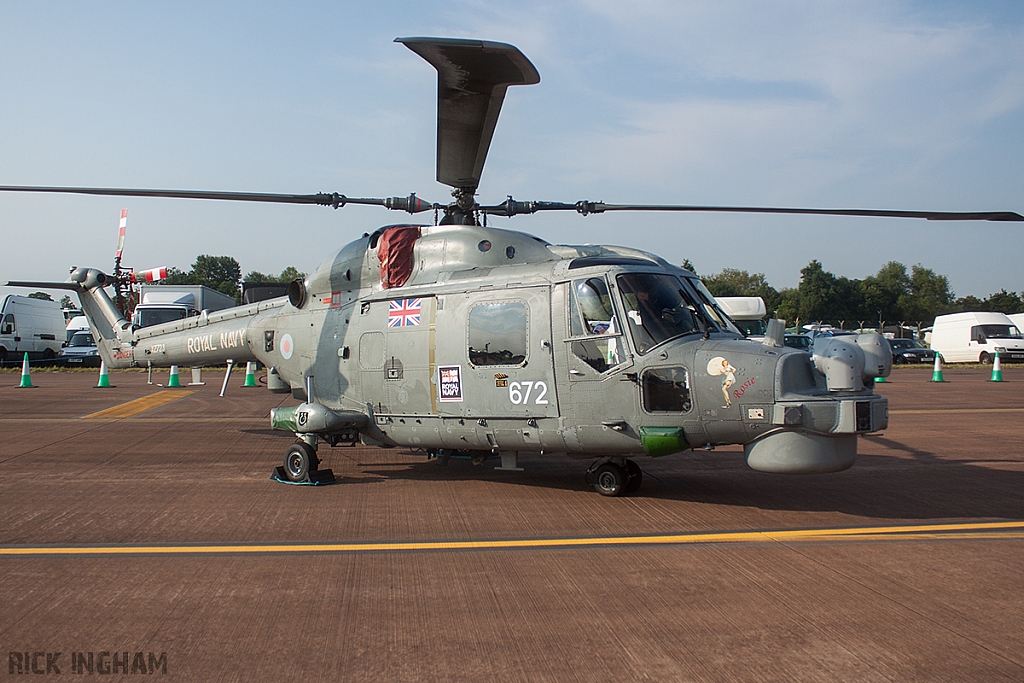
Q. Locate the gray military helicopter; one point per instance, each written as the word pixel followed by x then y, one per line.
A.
pixel 459 338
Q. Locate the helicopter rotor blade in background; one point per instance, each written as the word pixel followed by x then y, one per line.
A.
pixel 410 204
pixel 512 207
pixel 472 77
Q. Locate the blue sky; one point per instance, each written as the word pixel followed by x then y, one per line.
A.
pixel 913 105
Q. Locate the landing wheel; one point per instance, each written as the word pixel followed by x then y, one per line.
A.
pixel 985 359
pixel 634 477
pixel 609 479
pixel 299 460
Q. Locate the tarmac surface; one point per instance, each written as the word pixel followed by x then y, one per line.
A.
pixel 152 527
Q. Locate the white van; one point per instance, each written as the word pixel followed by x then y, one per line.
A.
pixel 35 326
pixel 79 323
pixel 975 338
pixel 748 312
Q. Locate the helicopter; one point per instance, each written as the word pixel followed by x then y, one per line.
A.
pixel 461 339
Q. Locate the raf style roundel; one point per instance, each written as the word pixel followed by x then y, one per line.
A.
pixel 287 346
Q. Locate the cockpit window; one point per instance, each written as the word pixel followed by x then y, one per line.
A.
pixel 710 306
pixel 657 309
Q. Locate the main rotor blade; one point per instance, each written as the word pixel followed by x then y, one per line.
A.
pixel 472 77
pixel 512 208
pixel 411 204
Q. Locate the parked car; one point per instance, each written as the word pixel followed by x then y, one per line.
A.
pixel 910 351
pixel 798 341
pixel 81 350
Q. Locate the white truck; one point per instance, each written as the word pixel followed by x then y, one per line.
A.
pixel 975 337
pixel 167 303
pixel 79 323
pixel 33 326
pixel 748 312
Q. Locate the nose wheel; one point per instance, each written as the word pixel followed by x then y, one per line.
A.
pixel 299 460
pixel 615 477
pixel 301 466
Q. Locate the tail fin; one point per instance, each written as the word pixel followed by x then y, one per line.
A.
pixel 114 336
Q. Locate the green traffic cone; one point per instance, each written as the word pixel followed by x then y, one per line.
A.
pixel 937 372
pixel 250 375
pixel 997 370
pixel 26 379
pixel 174 381
pixel 880 379
pixel 104 382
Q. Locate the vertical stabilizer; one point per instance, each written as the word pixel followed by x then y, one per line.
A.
pixel 114 337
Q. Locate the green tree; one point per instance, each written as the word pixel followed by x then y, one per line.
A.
pixel 40 295
pixel 176 276
pixel 882 293
pixel 218 272
pixel 969 303
pixel 688 265
pixel 1004 302
pixel 928 297
pixel 789 305
pixel 287 275
pixel 816 290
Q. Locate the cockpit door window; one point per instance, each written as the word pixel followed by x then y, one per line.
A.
pixel 594 326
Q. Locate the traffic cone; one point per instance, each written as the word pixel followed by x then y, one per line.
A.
pixel 250 375
pixel 997 370
pixel 174 381
pixel 937 372
pixel 880 379
pixel 26 378
pixel 104 382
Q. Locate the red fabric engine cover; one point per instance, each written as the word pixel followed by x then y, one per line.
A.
pixel 394 251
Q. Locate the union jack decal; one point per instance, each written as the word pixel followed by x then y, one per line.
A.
pixel 404 312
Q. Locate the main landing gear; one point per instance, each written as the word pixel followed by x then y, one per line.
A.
pixel 301 466
pixel 615 476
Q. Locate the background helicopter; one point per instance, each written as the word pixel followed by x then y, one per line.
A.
pixel 464 337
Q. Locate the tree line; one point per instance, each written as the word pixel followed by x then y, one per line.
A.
pixel 225 275
pixel 892 295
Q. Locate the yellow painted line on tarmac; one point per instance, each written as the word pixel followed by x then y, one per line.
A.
pixel 957 531
pixel 141 405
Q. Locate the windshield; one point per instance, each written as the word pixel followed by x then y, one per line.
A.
pixel 1000 331
pixel 905 344
pixel 82 339
pixel 752 327
pixel 656 308
pixel 710 305
pixel 156 316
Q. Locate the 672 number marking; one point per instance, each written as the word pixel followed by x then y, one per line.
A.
pixel 519 393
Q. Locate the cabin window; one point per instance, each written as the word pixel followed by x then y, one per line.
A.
pixel 666 390
pixel 592 314
pixel 498 333
pixel 8 325
pixel 656 309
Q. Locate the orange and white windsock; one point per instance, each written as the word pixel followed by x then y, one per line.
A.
pixel 151 275
pixel 121 227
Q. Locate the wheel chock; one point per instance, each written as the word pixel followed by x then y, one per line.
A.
pixel 317 478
